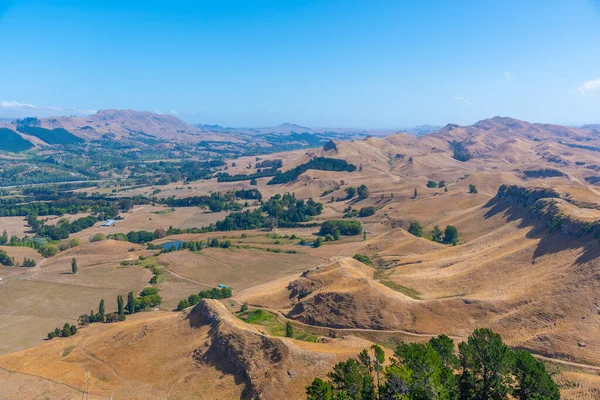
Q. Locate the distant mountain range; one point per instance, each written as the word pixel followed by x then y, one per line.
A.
pixel 144 129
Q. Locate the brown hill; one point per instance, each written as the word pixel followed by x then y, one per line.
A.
pixel 204 352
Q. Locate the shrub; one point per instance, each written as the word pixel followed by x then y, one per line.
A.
pixel 5 259
pixel 366 211
pixel 363 259
pixel 432 184
pixel 48 250
pixel 98 237
pixel 28 263
pixel 62 246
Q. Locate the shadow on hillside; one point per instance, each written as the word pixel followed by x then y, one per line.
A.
pixel 213 353
pixel 549 242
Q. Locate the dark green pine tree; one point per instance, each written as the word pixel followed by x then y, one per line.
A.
pixel 120 305
pixel 74 265
pixel 101 310
pixel 130 303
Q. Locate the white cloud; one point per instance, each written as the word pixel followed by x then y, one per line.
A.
pixel 11 105
pixel 464 101
pixel 14 109
pixel 590 87
pixel 508 76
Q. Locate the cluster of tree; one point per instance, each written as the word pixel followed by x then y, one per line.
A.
pixel 460 152
pixel 148 298
pixel 363 212
pixel 62 229
pixel 362 192
pixel 102 316
pixel 214 293
pixel 288 211
pixel 283 211
pixel 484 368
pixel 241 221
pixel 249 194
pixel 346 228
pixel 319 163
pixel 215 202
pixel 26 241
pixel 225 177
pixel 5 259
pixel 448 236
pixel 66 331
pixel 332 237
pixel 330 146
pixel 52 202
pixel 274 164
pixel 196 170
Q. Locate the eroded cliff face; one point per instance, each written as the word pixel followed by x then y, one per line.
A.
pixel 525 196
pixel 271 367
pixel 557 214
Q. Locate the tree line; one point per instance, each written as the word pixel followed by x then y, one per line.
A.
pixel 214 293
pixel 319 163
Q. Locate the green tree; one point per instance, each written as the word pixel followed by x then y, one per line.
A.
pixel 378 360
pixel 130 303
pixel 120 307
pixel 426 366
pixel 289 330
pixel 101 310
pixel 244 307
pixel 318 242
pixel 353 378
pixel 485 367
pixel 363 192
pixel 337 235
pixel 415 194
pixel 350 192
pixel 74 265
pixel 415 229
pixel 183 304
pixel 451 235
pixel 66 331
pixel 318 389
pixel 436 235
pixel 532 380
pixel 472 189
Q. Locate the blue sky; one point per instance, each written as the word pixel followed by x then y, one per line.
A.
pixel 379 64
